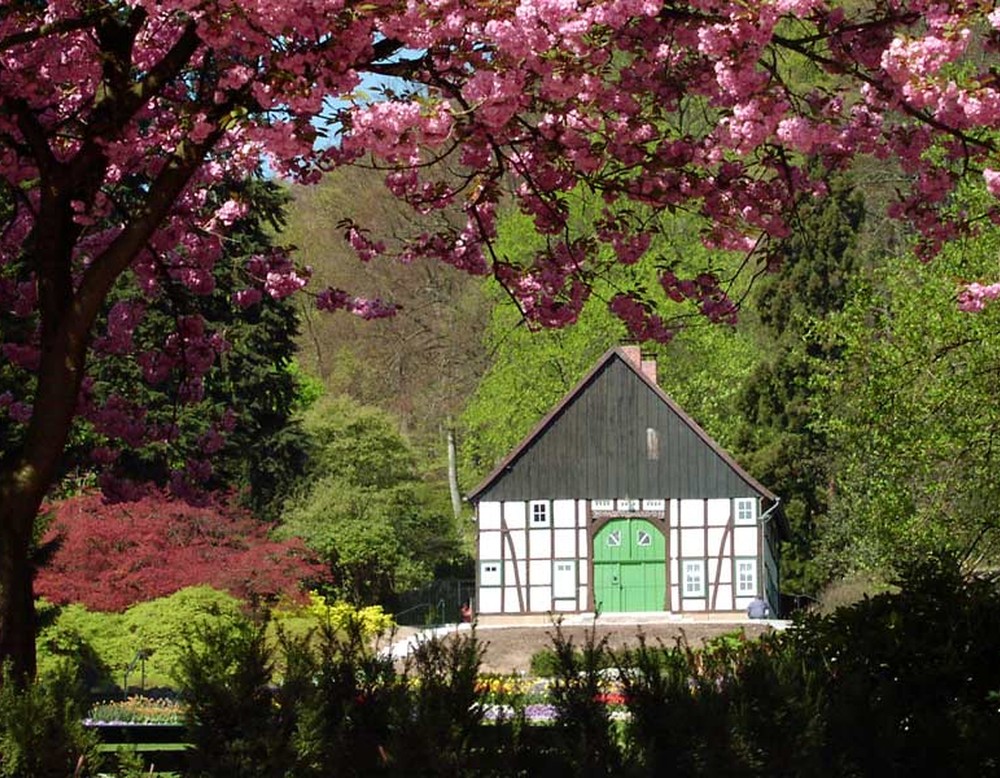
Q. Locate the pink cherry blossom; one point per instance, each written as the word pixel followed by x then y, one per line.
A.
pixel 698 106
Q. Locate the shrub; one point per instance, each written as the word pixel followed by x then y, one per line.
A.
pixel 349 707
pixel 41 729
pixel 588 742
pixel 103 645
pixel 299 619
pixel 111 557
pixel 234 727
pixel 445 710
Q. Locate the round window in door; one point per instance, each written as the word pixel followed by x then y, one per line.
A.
pixel 630 567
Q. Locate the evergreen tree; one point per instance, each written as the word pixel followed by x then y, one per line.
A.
pixel 244 426
pixel 780 444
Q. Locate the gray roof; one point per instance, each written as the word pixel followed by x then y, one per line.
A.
pixel 595 445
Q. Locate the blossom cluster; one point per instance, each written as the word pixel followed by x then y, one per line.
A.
pixel 114 132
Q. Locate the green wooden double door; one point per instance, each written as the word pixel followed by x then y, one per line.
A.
pixel 630 566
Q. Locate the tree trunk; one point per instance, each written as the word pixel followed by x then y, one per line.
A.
pixel 25 478
pixel 456 496
pixel 17 602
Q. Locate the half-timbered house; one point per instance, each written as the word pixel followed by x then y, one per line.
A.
pixel 619 501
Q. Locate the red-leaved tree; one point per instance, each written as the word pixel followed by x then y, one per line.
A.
pixel 112 556
pixel 725 108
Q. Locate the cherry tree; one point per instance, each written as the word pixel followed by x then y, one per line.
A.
pixel 117 116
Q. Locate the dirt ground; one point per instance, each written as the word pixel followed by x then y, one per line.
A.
pixel 510 648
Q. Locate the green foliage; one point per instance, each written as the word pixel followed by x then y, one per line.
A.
pixel 104 645
pixel 902 683
pixel 911 416
pixel 419 366
pixel 586 739
pixel 530 371
pixel 235 726
pixel 366 511
pixel 338 707
pixel 779 440
pixel 300 620
pixel 250 384
pixel 41 729
pixel 897 684
pixel 446 711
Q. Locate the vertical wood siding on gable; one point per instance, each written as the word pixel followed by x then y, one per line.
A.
pixel 597 448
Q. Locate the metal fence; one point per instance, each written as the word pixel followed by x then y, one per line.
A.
pixel 440 602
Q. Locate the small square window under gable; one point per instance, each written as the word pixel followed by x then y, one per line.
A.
pixel 599 506
pixel 746 510
pixel 540 513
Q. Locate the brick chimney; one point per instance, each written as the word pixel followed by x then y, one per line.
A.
pixel 646 365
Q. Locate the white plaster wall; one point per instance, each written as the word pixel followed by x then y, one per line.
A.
pixel 509 577
pixel 695 605
pixel 581 513
pixel 582 544
pixel 692 514
pixel 514 514
pixel 721 567
pixel 692 543
pixel 518 539
pixel 565 605
pixel 584 597
pixel 715 538
pixel 540 571
pixel 541 599
pixel 675 598
pixel 489 515
pixel 489 545
pixel 583 572
pixel 745 541
pixel 540 541
pixel 724 598
pixel 564 543
pixel 674 511
pixel 719 511
pixel 511 603
pixel 489 600
pixel 563 513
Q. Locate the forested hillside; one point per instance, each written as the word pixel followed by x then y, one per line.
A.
pixel 849 383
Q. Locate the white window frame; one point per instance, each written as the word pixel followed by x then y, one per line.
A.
pixel 539 514
pixel 686 590
pixel 745 510
pixel 750 590
pixel 558 580
pixel 491 577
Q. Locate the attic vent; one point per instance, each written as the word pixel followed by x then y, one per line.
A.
pixel 652 444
